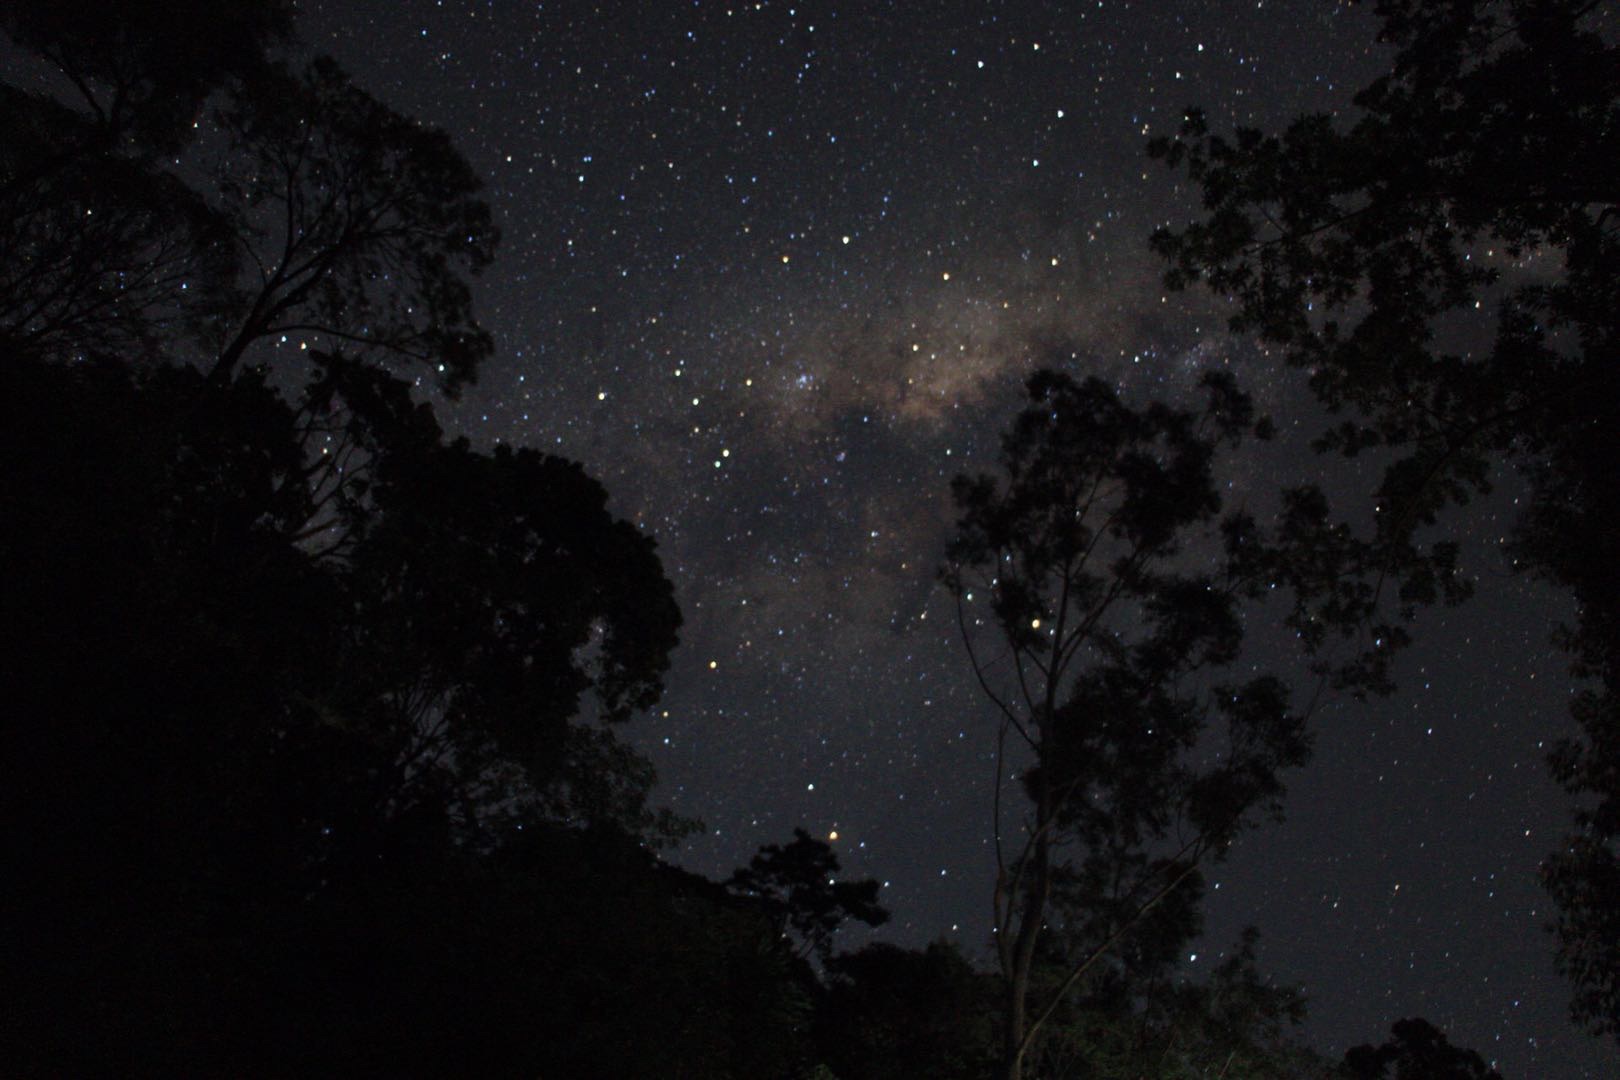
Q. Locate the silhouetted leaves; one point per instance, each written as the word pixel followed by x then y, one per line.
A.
pixel 199 199
pixel 1110 590
pixel 143 70
pixel 1445 267
pixel 358 226
pixel 100 251
pixel 1234 1023
pixel 797 888
pixel 1418 1051
pixel 310 751
pixel 229 746
pixel 893 1014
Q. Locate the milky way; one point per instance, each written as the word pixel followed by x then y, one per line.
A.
pixel 773 272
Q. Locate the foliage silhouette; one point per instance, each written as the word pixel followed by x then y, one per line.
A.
pixel 357 226
pixel 1418 1051
pixel 139 78
pixel 295 678
pixel 1445 267
pixel 227 200
pixel 1235 1023
pixel 892 1013
pixel 315 757
pixel 797 888
pixel 241 765
pixel 1081 569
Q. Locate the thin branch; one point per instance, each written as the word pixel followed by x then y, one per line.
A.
pixel 1102 949
pixel 978 673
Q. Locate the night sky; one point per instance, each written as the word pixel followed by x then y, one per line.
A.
pixel 774 273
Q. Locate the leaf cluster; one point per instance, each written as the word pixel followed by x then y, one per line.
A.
pixel 1112 592
pixel 797 888
pixel 1086 553
pixel 208 196
pixel 1417 1051
pixel 1444 264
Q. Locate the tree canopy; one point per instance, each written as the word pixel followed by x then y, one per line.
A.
pixel 1444 264
pixel 1417 1050
pixel 797 887
pixel 1098 591
pixel 312 754
pixel 206 204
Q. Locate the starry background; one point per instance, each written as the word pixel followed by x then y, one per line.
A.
pixel 774 272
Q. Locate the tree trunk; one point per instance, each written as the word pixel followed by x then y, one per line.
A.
pixel 1012 1047
pixel 1015 1035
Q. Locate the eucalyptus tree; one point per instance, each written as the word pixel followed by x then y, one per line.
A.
pixel 1099 588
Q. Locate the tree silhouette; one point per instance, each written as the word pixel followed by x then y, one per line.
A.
pixel 102 252
pixel 221 734
pixel 293 682
pixel 1233 1023
pixel 225 738
pixel 204 208
pixel 354 225
pixel 1418 1051
pixel 139 79
pixel 1445 267
pixel 1098 593
pixel 797 888
pixel 892 1013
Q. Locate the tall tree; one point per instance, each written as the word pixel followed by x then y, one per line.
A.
pixel 1098 589
pixel 1444 264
